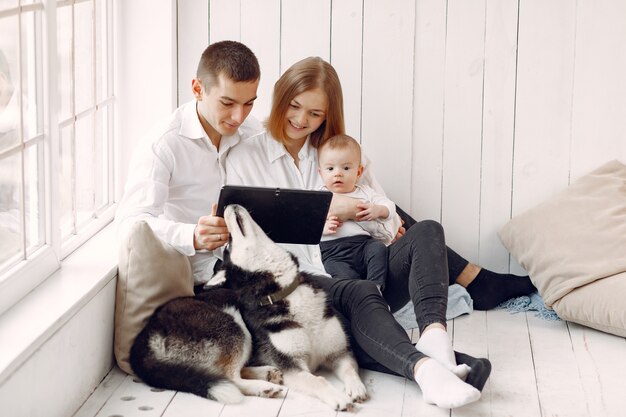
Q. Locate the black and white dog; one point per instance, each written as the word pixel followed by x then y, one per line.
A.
pixel 267 324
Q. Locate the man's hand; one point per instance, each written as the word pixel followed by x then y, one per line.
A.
pixel 371 211
pixel 210 232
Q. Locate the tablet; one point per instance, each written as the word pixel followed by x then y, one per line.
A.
pixel 286 215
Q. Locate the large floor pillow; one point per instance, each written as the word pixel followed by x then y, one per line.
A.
pixel 574 248
pixel 150 273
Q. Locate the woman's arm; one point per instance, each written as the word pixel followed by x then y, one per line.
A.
pixel 344 207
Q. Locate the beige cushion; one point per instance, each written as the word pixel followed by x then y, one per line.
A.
pixel 574 239
pixel 151 273
pixel 599 305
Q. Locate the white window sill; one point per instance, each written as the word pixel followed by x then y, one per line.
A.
pixel 35 318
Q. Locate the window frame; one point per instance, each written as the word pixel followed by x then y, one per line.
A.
pixel 36 266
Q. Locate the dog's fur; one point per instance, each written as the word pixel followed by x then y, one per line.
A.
pixel 222 342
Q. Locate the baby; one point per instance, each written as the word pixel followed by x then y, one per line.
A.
pixel 353 249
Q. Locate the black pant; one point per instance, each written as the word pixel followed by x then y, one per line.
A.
pixel 356 257
pixel 421 267
pixel 418 270
pixel 378 341
pixel 456 263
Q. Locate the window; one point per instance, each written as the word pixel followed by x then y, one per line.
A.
pixel 56 134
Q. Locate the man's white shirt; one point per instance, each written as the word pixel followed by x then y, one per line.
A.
pixel 175 175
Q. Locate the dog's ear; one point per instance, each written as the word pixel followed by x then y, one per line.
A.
pixel 295 259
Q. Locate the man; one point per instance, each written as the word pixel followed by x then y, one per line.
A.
pixel 177 171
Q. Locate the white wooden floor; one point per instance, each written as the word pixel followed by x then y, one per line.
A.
pixel 540 368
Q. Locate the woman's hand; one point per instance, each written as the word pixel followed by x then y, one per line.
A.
pixel 400 233
pixel 344 208
pixel 210 232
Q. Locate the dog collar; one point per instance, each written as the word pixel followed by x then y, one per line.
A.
pixel 279 295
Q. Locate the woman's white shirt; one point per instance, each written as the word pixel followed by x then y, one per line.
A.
pixel 263 161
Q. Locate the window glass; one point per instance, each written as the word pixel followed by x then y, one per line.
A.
pixel 34 209
pixel 64 62
pixel 85 170
pixel 10 97
pixel 10 210
pixel 56 134
pixel 83 56
pixel 66 173
pixel 32 86
pixel 102 51
pixel 102 172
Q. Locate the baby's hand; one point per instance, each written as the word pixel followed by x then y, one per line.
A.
pixel 331 225
pixel 370 211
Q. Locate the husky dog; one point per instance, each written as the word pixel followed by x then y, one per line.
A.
pixel 266 324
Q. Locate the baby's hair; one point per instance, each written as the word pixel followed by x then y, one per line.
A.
pixel 341 142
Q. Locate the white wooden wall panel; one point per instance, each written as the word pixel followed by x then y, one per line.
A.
pixel 428 88
pixel 465 52
pixel 472 111
pixel 191 14
pixel 345 56
pixel 260 30
pixel 224 20
pixel 388 30
pixel 543 102
pixel 599 96
pixel 498 127
pixel 305 31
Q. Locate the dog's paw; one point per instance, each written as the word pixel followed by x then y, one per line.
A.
pixel 275 375
pixel 339 401
pixel 345 405
pixel 272 391
pixel 356 391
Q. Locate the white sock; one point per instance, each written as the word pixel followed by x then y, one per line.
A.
pixel 442 388
pixel 435 344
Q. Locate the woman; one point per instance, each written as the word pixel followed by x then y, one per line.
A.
pixel 308 109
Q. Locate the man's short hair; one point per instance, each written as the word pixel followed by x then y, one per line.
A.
pixel 232 59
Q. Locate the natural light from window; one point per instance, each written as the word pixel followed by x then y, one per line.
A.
pixel 56 135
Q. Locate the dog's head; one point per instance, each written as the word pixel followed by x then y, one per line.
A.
pixel 251 251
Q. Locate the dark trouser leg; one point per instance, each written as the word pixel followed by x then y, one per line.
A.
pixel 376 259
pixel 488 289
pixel 456 263
pixel 343 257
pixel 418 263
pixel 379 342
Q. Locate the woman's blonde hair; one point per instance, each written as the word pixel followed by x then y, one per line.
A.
pixel 305 75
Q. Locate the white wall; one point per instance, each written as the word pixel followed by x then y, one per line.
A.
pixel 472 110
pixel 145 79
